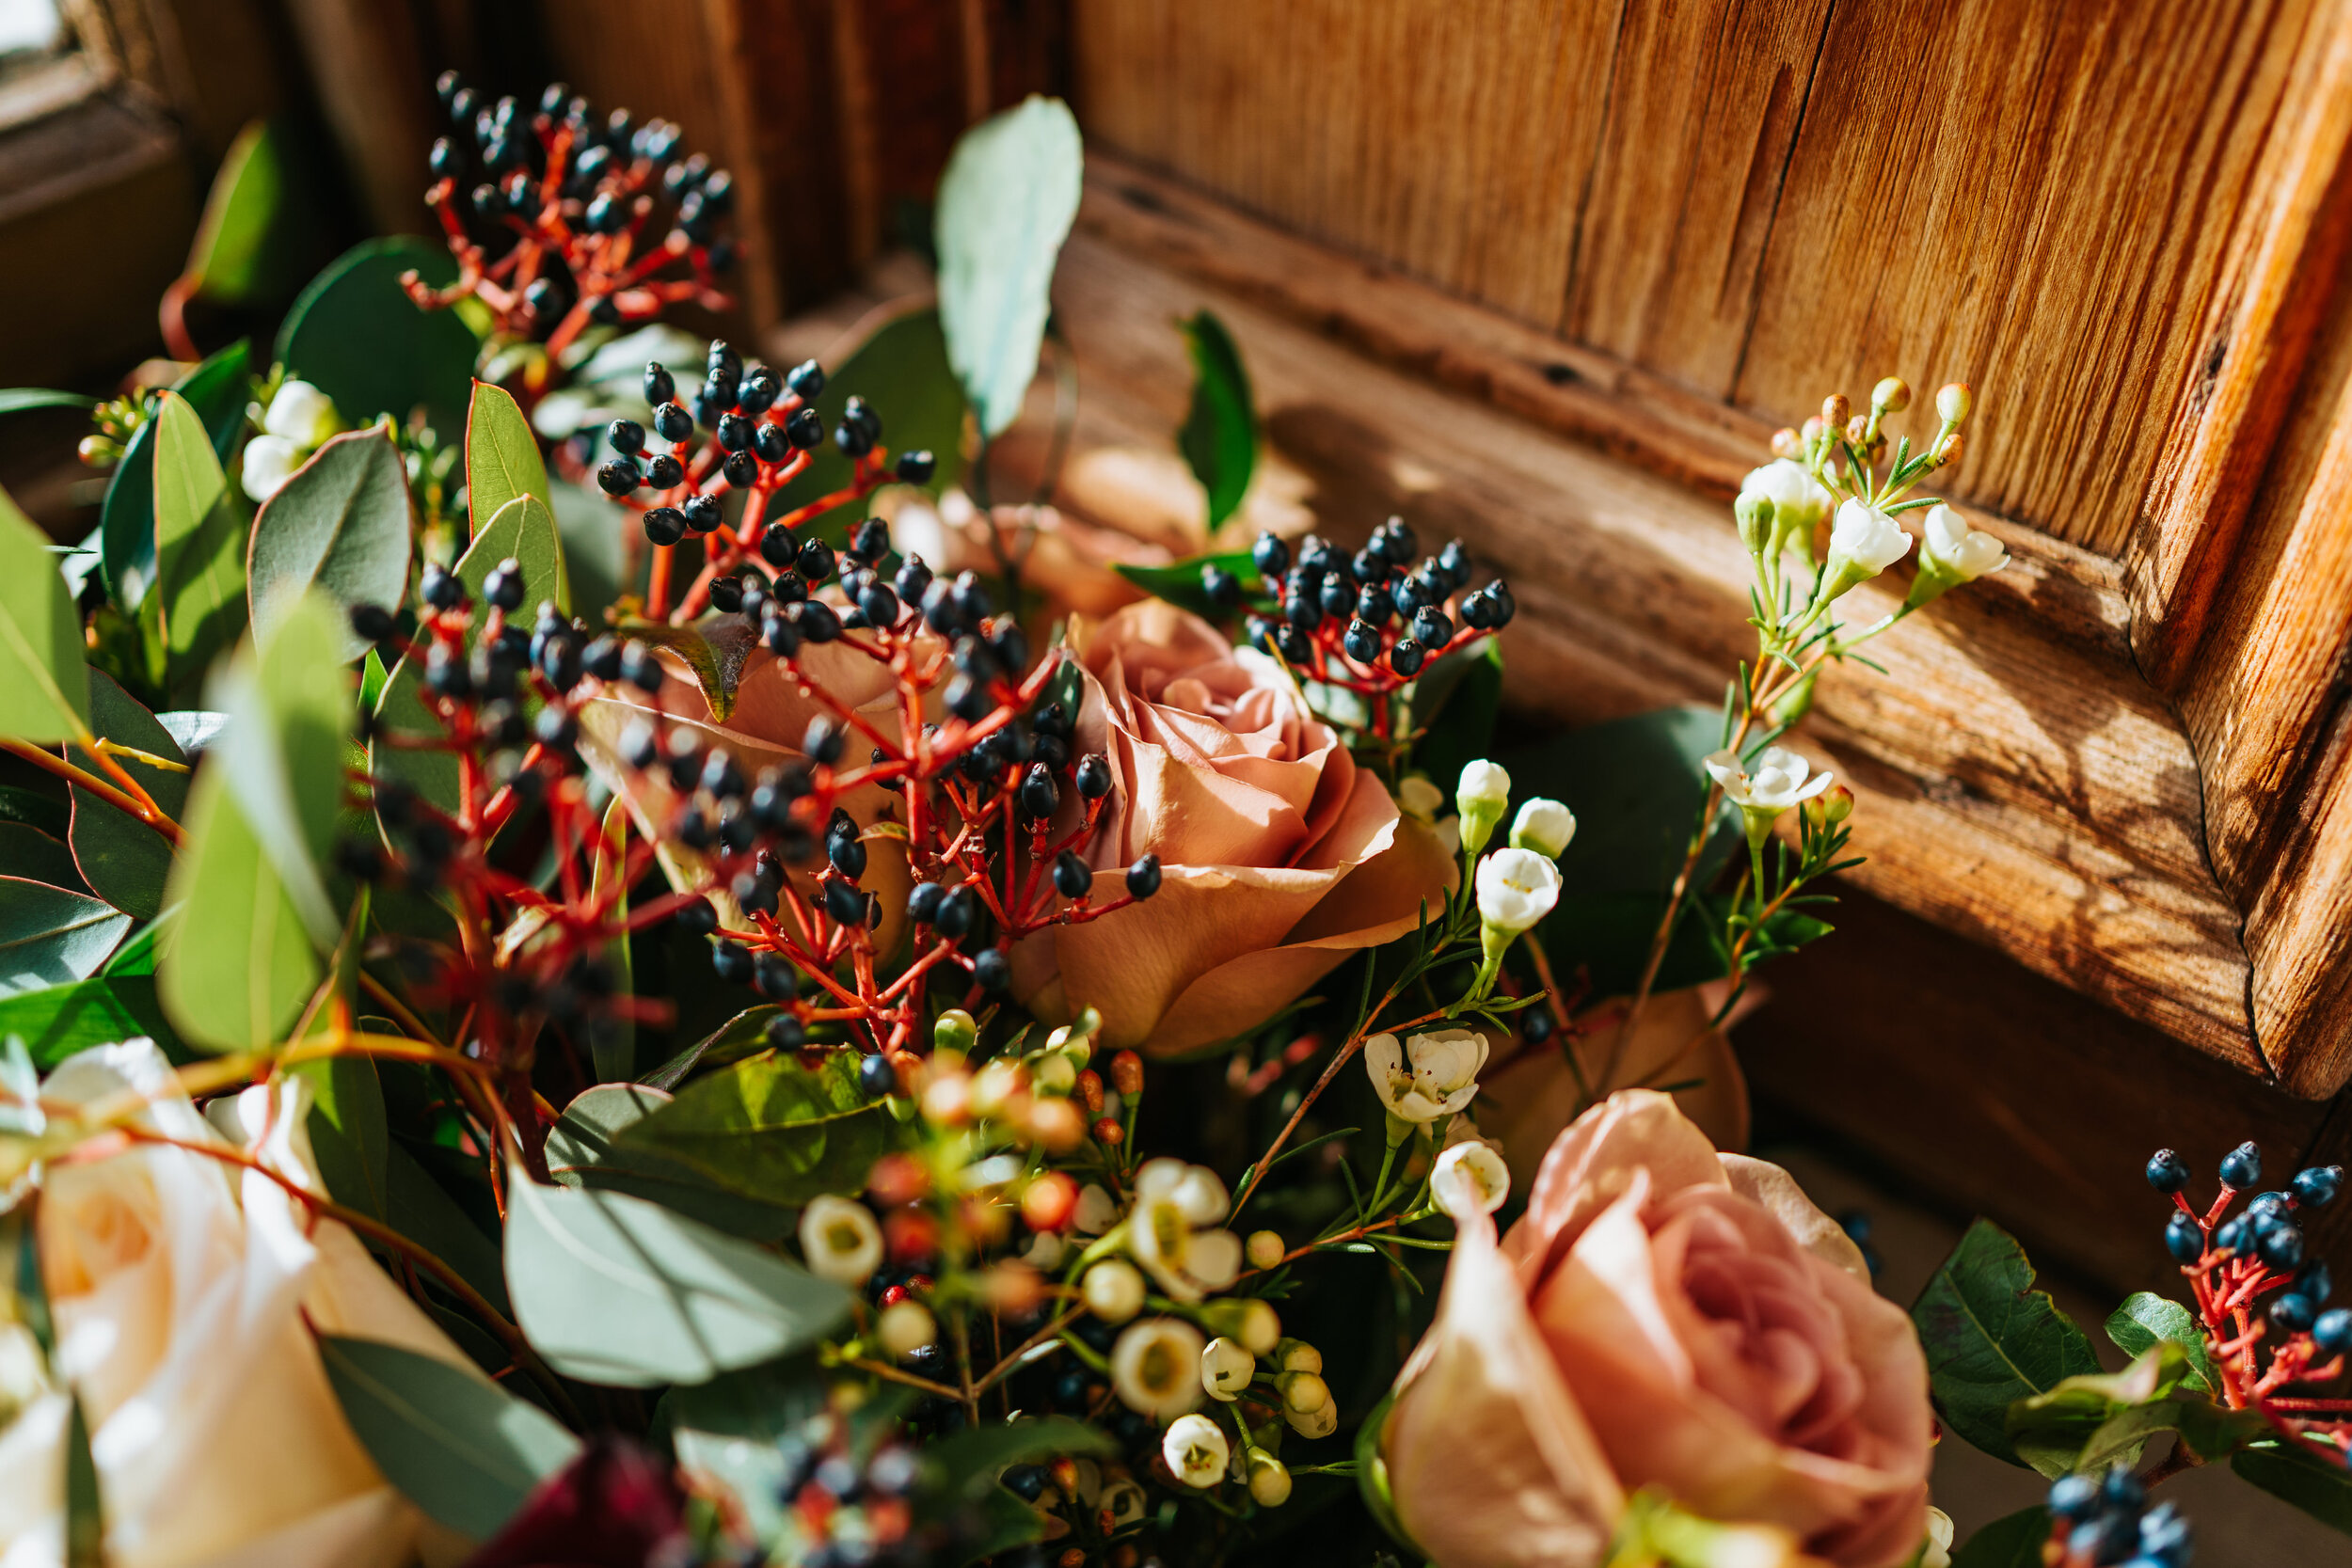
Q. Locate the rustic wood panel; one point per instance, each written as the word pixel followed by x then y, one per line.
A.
pixel 2020 783
pixel 1760 197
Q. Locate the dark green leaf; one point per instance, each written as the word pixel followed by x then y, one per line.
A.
pixel 970 1461
pixel 901 370
pixel 453 1443
pixel 584 1150
pixel 1178 582
pixel 613 1048
pixel 421 1210
pixel 126 861
pixel 22 399
pixel 728 1430
pixel 2013 1541
pixel 44 687
pixel 2320 1488
pixel 740 1036
pixel 219 390
pixel 2145 1318
pixel 1004 205
pixel 44 812
pixel 58 1021
pixel 1457 700
pixel 356 336
pixel 200 545
pixel 253 228
pixel 340 525
pixel 348 1135
pixel 50 937
pixel 1219 436
pixel 241 965
pixel 716 649
pixel 1991 1340
pixel 613 1289
pixel 769 1128
pixel 34 856
pixel 137 956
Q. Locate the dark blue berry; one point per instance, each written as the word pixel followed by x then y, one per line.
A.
pixel 1219 586
pixel 2317 1185
pixel 1431 628
pixel 702 514
pixel 2167 1171
pixel 2184 1240
pixel 916 467
pixel 1362 641
pixel 730 961
pixel 1143 877
pixel 665 525
pixel 991 970
pixel 2241 1168
pixel 1072 879
pixel 876 1078
pixel 1406 656
pixel 2279 1245
pixel 807 380
pixel 670 421
pixel 2292 1312
pixel 2333 1330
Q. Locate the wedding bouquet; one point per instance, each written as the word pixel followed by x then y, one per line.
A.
pixel 606 972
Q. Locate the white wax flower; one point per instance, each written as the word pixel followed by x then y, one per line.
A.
pixel 1419 798
pixel 269 462
pixel 1957 550
pixel 1864 542
pixel 840 1239
pixel 1938 1552
pixel 1799 500
pixel 1470 1178
pixel 1778 780
pixel 1482 797
pixel 1197 1450
pixel 1096 1209
pixel 301 414
pixel 1426 1076
pixel 1226 1369
pixel 1155 1366
pixel 1113 1291
pixel 1543 826
pixel 1196 1190
pixel 1214 1259
pixel 1516 889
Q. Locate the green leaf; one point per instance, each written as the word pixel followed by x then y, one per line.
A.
pixel 583 1150
pixel 348 1135
pixel 772 1129
pixel 523 530
pixel 44 812
pixel 138 955
pixel 901 370
pixel 2013 1541
pixel 613 1049
pixel 1178 582
pixel 33 855
pixel 356 336
pixel 24 400
pixel 240 964
pixel 421 1210
pixel 716 649
pixel 453 1443
pixel 2145 1318
pixel 85 1509
pixel 340 524
pixel 252 230
pixel 57 1021
pixel 729 1428
pixel 1636 785
pixel 1219 436
pixel 219 390
pixel 2320 1488
pixel 613 1289
pixel 199 540
pixel 2089 1423
pixel 126 861
pixel 1006 203
pixel 1372 1476
pixel 50 937
pixel 45 685
pixel 1457 701
pixel 503 458
pixel 1991 1340
pixel 744 1035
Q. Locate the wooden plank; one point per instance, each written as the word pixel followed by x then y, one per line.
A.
pixel 2018 782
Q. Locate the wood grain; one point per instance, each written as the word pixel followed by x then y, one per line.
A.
pixel 1761 199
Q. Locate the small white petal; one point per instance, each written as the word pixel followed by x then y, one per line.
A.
pixel 1197 1450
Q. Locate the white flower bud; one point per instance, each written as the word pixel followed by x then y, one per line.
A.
pixel 1303 1393
pixel 1197 1450
pixel 269 462
pixel 1297 1355
pixel 1270 1479
pixel 1953 402
pixel 1430 1075
pixel 1864 542
pixel 1113 1290
pixel 1321 1422
pixel 1226 1369
pixel 905 1327
pixel 1260 1328
pixel 1155 1366
pixel 1799 500
pixel 1938 1550
pixel 1543 826
pixel 1480 797
pixel 1470 1178
pixel 1951 553
pixel 1096 1209
pixel 840 1239
pixel 301 414
pixel 1265 1249
pixel 1516 889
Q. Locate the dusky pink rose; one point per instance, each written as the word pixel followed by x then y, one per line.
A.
pixel 1709 1329
pixel 1279 856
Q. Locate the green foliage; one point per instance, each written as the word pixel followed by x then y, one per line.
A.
pixel 50 937
pixel 1006 203
pixel 57 1021
pixel 613 1289
pixel 29 853
pixel 1178 582
pixel 219 390
pixel 902 369
pixel 2089 1423
pixel 44 686
pixel 253 232
pixel 1372 1476
pixel 1455 705
pixel 502 459
pixel 126 861
pixel 1991 1340
pixel 24 400
pixel 2320 1488
pixel 2146 1320
pixel 1219 436
pixel 349 1134
pixel 355 334
pixel 729 1427
pixel 584 1150
pixel 340 525
pixel 453 1443
pixel 84 1506
pixel 740 1036
pixel 421 1210
pixel 200 545
pixel 771 1128
pixel 2012 1541
pixel 716 650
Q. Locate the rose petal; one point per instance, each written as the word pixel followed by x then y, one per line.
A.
pixel 1593 1163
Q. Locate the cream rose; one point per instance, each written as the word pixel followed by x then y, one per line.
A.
pixel 180 1288
pixel 1278 857
pixel 1661 1316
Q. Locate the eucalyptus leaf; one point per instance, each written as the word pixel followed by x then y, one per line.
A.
pixel 1219 436
pixel 2146 1319
pixel 616 1290
pixel 137 956
pixel 901 370
pixel 740 1036
pixel 355 334
pixel 193 729
pixel 199 539
pixel 34 856
pixel 240 963
pixel 124 861
pixel 502 459
pixel 24 400
pixel 44 814
pixel 219 390
pixel 58 1021
pixel 584 1150
pixel 453 1443
pixel 349 1137
pixel 252 226
pixel 730 1428
pixel 1991 1340
pixel 50 937
pixel 769 1128
pixel 716 649
pixel 340 525
pixel 1006 203
pixel 612 1046
pixel 45 685
pixel 421 1208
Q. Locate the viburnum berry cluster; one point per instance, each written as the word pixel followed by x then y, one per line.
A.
pixel 2260 1300
pixel 580 221
pixel 762 428
pixel 2096 1521
pixel 1366 623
